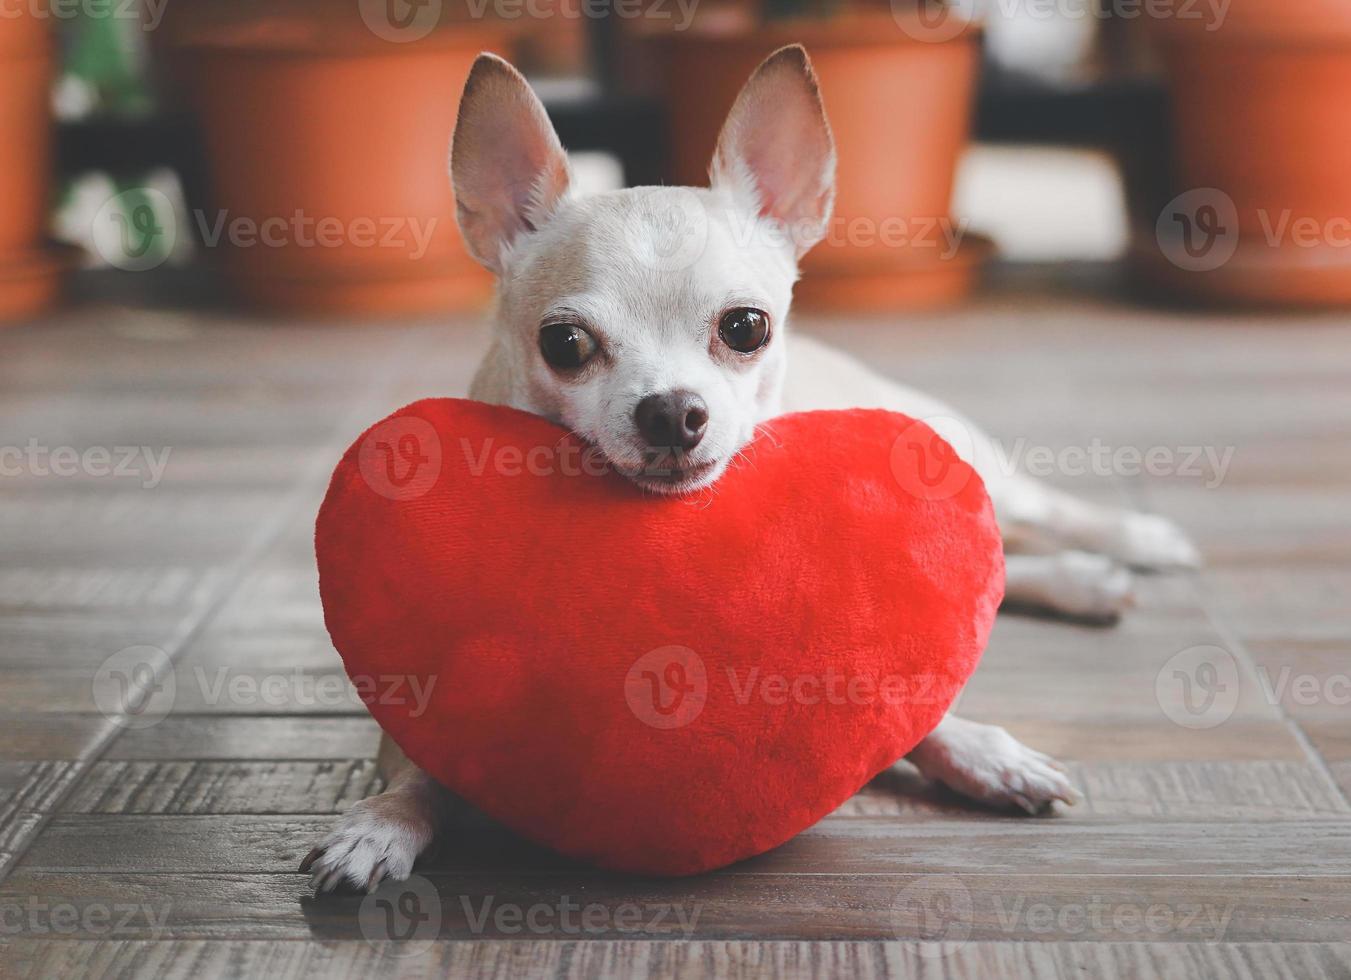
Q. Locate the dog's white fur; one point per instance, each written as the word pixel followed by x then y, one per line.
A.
pixel 619 263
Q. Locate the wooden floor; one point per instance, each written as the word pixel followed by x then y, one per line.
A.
pixel 170 849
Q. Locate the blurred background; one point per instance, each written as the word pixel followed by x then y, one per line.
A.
pixel 1117 233
pixel 290 155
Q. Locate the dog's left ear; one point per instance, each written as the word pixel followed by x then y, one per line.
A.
pixel 775 153
pixel 508 169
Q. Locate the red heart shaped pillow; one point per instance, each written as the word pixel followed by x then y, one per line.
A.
pixel 655 684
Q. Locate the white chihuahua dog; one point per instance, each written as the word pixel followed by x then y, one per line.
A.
pixel 670 350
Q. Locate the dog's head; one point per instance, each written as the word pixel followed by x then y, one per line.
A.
pixel 651 320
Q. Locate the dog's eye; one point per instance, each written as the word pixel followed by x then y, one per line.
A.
pixel 566 346
pixel 744 329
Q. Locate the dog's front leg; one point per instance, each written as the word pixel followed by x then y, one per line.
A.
pixel 382 836
pixel 987 764
pixel 1092 588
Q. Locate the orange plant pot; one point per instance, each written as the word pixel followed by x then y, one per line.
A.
pixel 328 158
pixel 899 104
pixel 30 271
pixel 1259 107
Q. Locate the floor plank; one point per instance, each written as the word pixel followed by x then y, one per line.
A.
pixel 242 843
pixel 47 736
pixel 1112 791
pixel 202 816
pixel 208 737
pixel 1267 791
pixel 202 787
pixel 494 904
pixel 575 960
pixel 28 792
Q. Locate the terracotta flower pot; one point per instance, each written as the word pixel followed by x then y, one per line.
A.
pixel 30 270
pixel 899 101
pixel 1262 156
pixel 327 145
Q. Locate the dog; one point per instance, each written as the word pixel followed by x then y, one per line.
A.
pixel 666 356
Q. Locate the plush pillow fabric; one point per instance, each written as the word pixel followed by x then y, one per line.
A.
pixel 655 684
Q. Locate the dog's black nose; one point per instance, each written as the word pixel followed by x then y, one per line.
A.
pixel 673 420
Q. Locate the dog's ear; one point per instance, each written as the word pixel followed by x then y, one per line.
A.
pixel 507 167
pixel 775 153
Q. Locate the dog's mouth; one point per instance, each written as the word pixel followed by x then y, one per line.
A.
pixel 672 474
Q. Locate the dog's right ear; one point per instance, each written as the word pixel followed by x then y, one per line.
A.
pixel 775 154
pixel 507 167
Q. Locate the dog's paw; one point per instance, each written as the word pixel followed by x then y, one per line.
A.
pixel 378 838
pixel 1153 543
pixel 1092 587
pixel 987 764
